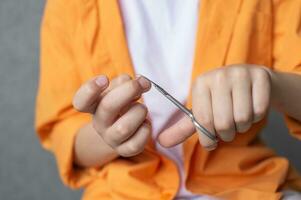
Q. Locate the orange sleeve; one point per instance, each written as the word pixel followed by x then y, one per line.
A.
pixel 56 121
pixel 287 46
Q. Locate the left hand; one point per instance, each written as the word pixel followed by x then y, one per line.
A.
pixel 226 101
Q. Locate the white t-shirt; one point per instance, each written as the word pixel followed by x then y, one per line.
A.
pixel 161 37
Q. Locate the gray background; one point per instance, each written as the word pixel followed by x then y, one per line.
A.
pixel 27 171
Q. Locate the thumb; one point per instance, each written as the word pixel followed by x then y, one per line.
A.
pixel 177 133
pixel 87 97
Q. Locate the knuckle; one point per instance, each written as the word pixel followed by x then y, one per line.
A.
pixel 224 126
pixel 240 73
pixel 106 106
pixel 243 118
pixel 122 130
pixel 220 77
pixel 199 84
pixel 110 138
pixel 134 148
pixel 204 120
pixel 121 152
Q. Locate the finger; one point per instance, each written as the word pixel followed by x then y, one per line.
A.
pixel 119 80
pixel 120 97
pixel 242 102
pixel 223 112
pixel 86 98
pixel 89 95
pixel 127 107
pixel 135 144
pixel 261 91
pixel 177 133
pixel 202 110
pixel 126 125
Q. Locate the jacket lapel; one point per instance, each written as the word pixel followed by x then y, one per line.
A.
pixel 113 30
pixel 216 22
pixel 114 34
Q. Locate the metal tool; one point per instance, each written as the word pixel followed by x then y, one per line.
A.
pixel 185 110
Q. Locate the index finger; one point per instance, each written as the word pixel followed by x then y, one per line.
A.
pixel 85 99
pixel 116 100
pixel 177 133
pixel 202 110
pixel 89 94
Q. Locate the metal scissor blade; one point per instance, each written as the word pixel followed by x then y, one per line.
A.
pixel 184 109
pixel 172 99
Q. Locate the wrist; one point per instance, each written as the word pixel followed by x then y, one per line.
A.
pixel 90 150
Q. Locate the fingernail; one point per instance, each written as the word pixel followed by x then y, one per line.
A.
pixel 145 84
pixel 243 128
pixel 211 147
pixel 257 119
pixel 101 81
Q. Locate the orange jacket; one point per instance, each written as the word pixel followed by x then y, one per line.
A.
pixel 83 38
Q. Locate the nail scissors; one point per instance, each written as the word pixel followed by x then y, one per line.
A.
pixel 184 110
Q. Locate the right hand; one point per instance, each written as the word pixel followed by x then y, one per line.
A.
pixel 117 116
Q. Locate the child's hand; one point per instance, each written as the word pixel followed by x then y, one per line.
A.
pixel 225 101
pixel 117 118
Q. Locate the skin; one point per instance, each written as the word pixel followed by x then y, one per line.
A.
pixel 119 126
pixel 227 101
